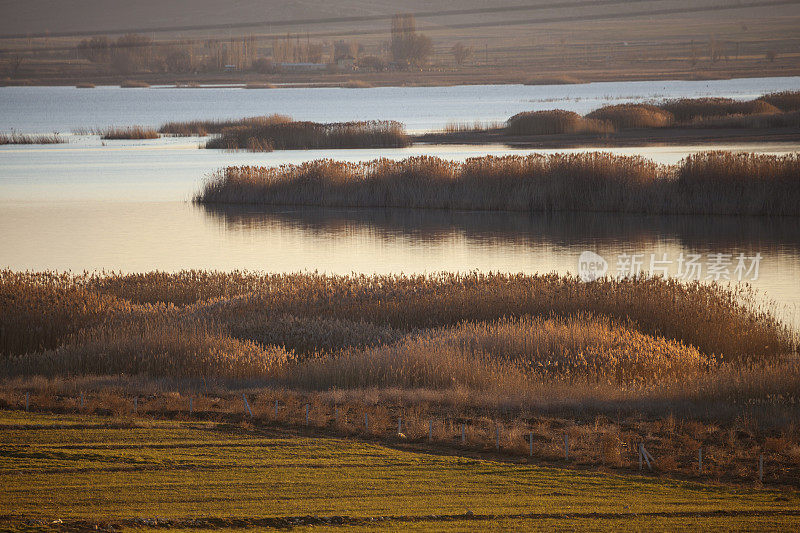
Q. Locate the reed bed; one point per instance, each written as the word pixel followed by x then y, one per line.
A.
pixel 688 109
pixel 527 354
pixel 554 122
pixel 260 86
pixel 21 138
pixel 297 135
pixel 201 128
pixel 134 84
pixel 131 132
pixel 357 84
pixel 789 119
pixel 628 116
pixel 534 183
pixel 85 86
pixel 785 101
pixel 247 325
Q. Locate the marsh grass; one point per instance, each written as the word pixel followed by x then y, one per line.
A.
pixel 785 101
pixel 688 109
pixel 468 330
pixel 627 116
pixel 131 132
pixel 202 128
pixel 554 122
pixel 705 183
pixel 134 84
pixel 294 135
pixel 21 138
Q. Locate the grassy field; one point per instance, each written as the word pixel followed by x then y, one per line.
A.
pixel 125 471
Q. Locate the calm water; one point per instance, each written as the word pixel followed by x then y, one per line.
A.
pixel 47 109
pixel 122 205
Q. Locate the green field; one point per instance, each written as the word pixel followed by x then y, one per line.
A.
pixel 117 471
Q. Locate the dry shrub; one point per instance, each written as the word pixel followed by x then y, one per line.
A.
pixel 132 132
pixel 626 116
pixel 554 122
pixel 785 101
pixel 688 109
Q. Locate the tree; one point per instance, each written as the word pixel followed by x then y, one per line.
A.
pixel 409 47
pixel 461 53
pixel 97 49
pixel 179 60
pixel 130 53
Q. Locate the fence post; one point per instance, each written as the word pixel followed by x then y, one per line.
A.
pixel 191 406
pixel 27 401
pixel 566 447
pixel 430 430
pixel 530 444
pixel 366 422
pixel 307 408
pixel 136 404
pixel 463 434
pixel 399 425
pixel 247 405
pixel 761 467
pixel 276 408
pixel 497 436
pixel 81 400
pixel 700 460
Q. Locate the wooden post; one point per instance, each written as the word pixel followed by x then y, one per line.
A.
pixel 700 460
pixel 276 408
pixel 497 436
pixel 136 404
pixel 639 448
pixel 27 401
pixel 430 430
pixel 399 425
pixel 81 400
pixel 191 406
pixel 463 435
pixel 530 444
pixel 566 447
pixel 761 467
pixel 307 408
pixel 366 422
pixel 247 405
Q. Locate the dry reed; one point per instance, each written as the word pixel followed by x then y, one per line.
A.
pixel 207 127
pixel 559 182
pixel 626 116
pixel 312 135
pixel 131 132
pixel 785 101
pixel 21 138
pixel 688 109
pixel 554 122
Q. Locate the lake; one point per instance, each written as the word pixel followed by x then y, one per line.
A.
pixel 124 205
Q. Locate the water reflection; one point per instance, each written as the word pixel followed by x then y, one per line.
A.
pixel 429 240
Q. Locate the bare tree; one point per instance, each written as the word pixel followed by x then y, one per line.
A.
pixel 409 47
pixel 461 53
